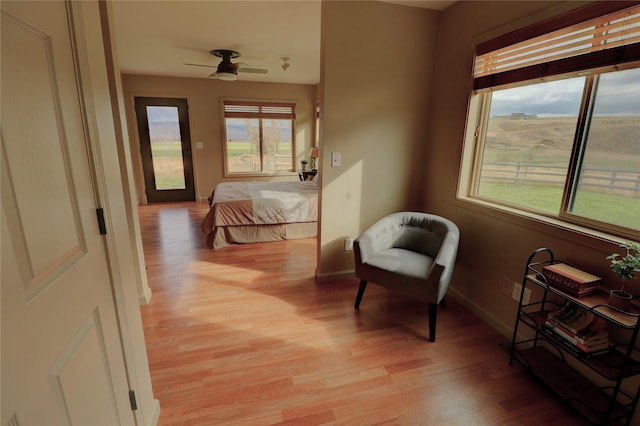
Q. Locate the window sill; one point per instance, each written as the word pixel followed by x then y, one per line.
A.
pixel 250 175
pixel 549 225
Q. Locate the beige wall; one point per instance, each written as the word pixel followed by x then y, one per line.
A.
pixel 205 119
pixel 395 89
pixel 494 246
pixel 377 62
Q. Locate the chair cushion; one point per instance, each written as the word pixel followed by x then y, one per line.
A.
pixel 402 262
pixel 420 233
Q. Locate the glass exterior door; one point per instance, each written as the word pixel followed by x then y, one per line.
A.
pixel 165 146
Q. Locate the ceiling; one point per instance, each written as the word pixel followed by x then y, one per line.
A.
pixel 158 37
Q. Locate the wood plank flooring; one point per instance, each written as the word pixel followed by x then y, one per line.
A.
pixel 244 335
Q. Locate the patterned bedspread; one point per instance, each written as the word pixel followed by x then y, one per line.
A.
pixel 261 203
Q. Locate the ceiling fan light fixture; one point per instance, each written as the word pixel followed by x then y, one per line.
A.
pixel 227 76
pixel 227 70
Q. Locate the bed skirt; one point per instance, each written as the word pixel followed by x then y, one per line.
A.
pixel 223 236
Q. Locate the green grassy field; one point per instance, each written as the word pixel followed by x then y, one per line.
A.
pixel 234 149
pixel 167 165
pixel 612 144
pixel 238 148
pixel 558 156
pixel 600 206
pixel 166 150
pixel 610 208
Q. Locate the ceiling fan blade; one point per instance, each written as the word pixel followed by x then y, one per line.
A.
pixel 200 65
pixel 227 70
pixel 242 67
pixel 253 70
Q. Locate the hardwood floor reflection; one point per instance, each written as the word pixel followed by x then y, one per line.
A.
pixel 244 335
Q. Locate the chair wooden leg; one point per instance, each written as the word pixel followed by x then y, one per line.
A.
pixel 433 313
pixel 363 286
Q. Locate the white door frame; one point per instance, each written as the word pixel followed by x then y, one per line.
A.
pixel 94 56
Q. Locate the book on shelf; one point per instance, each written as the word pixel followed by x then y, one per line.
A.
pixel 595 349
pixel 570 279
pixel 579 328
pixel 587 348
pixel 595 339
pixel 576 319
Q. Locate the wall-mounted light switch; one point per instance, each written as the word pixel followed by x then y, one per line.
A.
pixel 348 244
pixel 199 145
pixel 336 159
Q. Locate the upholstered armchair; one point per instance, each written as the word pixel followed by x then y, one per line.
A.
pixel 409 252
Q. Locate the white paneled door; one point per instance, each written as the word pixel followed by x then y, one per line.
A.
pixel 62 359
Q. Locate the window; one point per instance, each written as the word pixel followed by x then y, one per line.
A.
pixel 258 137
pixel 558 126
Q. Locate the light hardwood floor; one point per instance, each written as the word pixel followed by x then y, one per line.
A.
pixel 244 335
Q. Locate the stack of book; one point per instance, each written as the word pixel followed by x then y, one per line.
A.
pixel 579 328
pixel 572 280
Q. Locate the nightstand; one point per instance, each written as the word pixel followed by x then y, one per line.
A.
pixel 307 174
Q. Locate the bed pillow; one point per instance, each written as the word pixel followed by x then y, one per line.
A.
pixel 315 178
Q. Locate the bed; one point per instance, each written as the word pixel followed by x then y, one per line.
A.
pixel 251 212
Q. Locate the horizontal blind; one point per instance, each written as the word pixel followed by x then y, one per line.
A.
pixel 576 47
pixel 248 109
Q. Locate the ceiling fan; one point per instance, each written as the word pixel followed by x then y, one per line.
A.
pixel 227 70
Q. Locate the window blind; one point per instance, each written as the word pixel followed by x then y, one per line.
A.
pixel 610 39
pixel 274 110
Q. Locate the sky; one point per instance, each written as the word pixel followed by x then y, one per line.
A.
pixel 618 94
pixel 159 114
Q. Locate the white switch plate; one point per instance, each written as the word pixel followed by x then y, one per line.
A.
pixel 199 145
pixel 336 159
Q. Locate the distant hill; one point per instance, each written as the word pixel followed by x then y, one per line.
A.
pixel 613 134
pixel 164 131
pixel 237 133
pixel 167 131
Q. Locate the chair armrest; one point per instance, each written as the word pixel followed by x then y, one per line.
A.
pixel 449 249
pixel 446 259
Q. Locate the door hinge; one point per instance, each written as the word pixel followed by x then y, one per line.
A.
pixel 101 224
pixel 132 400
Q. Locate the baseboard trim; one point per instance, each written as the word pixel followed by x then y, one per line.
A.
pixel 505 329
pixel 154 417
pixel 145 297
